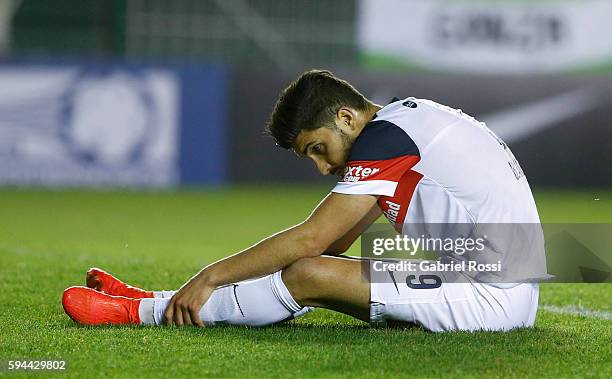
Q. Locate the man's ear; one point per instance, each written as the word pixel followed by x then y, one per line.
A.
pixel 346 118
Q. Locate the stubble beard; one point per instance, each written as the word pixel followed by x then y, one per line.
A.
pixel 347 143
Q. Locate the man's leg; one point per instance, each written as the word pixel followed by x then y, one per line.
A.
pixel 258 302
pixel 329 282
pixel 326 282
pixel 334 283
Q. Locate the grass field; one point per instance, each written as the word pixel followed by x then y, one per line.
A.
pixel 158 240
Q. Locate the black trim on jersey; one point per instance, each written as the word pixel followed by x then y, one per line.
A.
pixel 380 140
pixel 393 100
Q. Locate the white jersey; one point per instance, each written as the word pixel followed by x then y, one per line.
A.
pixel 434 164
pixel 429 163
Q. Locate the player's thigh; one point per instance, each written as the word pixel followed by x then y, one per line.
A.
pixel 317 280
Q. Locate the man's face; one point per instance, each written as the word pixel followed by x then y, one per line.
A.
pixel 327 147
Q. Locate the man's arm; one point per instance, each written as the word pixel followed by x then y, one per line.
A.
pixel 341 245
pixel 333 218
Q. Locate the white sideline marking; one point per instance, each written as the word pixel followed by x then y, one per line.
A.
pixel 573 310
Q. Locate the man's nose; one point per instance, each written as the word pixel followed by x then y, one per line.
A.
pixel 323 167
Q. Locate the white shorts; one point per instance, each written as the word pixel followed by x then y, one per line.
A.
pixel 453 306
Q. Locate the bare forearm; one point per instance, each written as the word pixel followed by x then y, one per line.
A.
pixel 266 257
pixel 335 216
pixel 341 245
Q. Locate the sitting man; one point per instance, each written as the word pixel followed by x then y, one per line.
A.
pixel 413 160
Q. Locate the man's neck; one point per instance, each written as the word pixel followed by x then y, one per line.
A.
pixel 373 109
pixel 368 115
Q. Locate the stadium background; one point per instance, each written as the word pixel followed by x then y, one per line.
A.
pixel 131 139
pixel 166 93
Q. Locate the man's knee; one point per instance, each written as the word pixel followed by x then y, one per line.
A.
pixel 305 278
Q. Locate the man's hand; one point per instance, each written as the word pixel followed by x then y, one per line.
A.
pixel 184 307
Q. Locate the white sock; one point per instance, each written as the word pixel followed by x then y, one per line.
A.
pixel 257 302
pixel 146 308
pixel 163 294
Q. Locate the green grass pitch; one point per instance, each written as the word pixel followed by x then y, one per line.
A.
pixel 157 240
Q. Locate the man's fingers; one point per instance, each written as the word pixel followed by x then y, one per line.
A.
pixel 195 317
pixel 169 313
pixel 178 316
pixel 184 307
pixel 186 316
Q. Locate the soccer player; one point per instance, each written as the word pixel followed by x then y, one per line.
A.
pixel 413 160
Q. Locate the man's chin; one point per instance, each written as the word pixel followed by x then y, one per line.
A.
pixel 338 172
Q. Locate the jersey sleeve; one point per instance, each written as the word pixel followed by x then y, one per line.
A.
pixel 379 157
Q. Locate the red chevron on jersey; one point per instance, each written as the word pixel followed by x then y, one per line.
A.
pixel 388 169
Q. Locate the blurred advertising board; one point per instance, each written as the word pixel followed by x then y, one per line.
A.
pixel 110 124
pixel 495 37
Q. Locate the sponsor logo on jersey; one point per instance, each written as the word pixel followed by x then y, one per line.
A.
pixel 357 173
pixel 391 211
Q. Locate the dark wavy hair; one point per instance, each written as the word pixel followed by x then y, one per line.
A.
pixel 311 102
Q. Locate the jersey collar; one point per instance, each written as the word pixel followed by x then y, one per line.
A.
pixel 393 100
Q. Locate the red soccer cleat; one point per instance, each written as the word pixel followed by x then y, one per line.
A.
pixel 102 281
pixel 90 307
